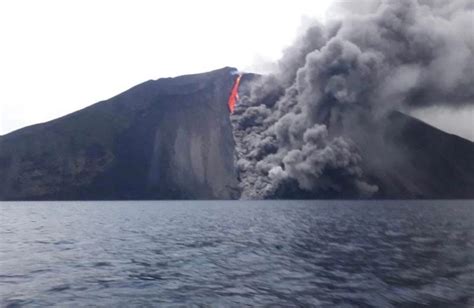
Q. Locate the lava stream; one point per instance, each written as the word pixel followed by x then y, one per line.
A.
pixel 234 95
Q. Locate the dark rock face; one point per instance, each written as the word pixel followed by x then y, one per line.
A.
pixel 164 139
pixel 172 139
pixel 409 159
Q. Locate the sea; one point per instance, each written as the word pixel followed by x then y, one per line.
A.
pixel 237 253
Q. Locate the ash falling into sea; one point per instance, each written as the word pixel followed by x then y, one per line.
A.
pixel 378 56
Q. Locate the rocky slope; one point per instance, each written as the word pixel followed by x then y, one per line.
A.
pixel 164 139
pixel 172 139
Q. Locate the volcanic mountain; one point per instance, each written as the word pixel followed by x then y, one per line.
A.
pixel 172 138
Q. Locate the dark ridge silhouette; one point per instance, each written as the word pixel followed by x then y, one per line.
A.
pixel 164 139
pixel 172 139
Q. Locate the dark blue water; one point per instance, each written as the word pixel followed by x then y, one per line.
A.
pixel 327 254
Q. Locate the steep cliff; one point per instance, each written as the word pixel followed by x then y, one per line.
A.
pixel 164 139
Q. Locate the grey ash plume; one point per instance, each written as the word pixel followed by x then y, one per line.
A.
pixel 380 55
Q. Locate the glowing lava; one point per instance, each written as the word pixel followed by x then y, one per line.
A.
pixel 234 95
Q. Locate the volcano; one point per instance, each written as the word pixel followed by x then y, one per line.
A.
pixel 172 138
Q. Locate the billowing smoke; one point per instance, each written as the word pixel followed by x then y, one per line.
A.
pixel 381 55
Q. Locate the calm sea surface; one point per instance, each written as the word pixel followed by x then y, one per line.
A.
pixel 288 253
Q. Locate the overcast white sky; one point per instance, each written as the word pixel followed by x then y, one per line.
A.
pixel 59 56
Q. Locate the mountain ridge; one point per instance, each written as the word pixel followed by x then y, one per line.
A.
pixel 108 150
pixel 172 138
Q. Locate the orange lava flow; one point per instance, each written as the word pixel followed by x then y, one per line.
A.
pixel 234 95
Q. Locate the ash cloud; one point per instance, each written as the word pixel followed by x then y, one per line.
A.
pixel 379 56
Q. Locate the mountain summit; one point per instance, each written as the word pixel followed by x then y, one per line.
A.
pixel 163 139
pixel 172 138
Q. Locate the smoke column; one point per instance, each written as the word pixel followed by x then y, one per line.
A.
pixel 379 56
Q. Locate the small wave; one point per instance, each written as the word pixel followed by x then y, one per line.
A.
pixel 102 264
pixel 147 276
pixel 60 288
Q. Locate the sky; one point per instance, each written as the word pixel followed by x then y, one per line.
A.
pixel 59 56
pixel 459 121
